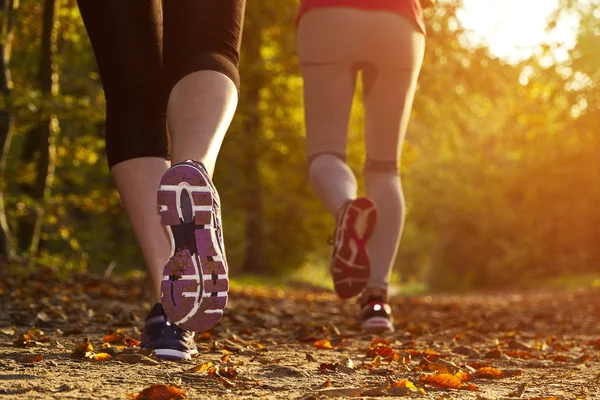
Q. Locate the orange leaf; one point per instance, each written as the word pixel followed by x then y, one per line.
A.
pixel 102 357
pixel 404 383
pixel 489 372
pixel 325 384
pixel 159 392
pixel 443 381
pixel 385 352
pixel 206 335
pixel 377 361
pixel 463 376
pixel 225 357
pixel 323 344
pixel 560 358
pixel 114 338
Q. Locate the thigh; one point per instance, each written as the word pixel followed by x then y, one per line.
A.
pixel 395 47
pixel 197 28
pixel 325 52
pixel 126 36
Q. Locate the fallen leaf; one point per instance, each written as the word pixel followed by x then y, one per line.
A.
pixel 404 383
pixel 310 357
pixel 225 357
pixel 325 384
pixel 582 359
pixel 200 368
pixel 159 392
pixel 509 373
pixel 489 373
pixel 84 349
pixel 205 335
pixel 443 381
pixel 464 376
pixel 328 367
pixel 323 344
pixel 101 357
pixel 496 353
pixel 30 358
pixel 520 391
pixel 8 331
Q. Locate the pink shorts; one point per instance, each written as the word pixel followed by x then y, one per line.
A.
pixel 409 8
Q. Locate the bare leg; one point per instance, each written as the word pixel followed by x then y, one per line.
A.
pixel 138 193
pixel 201 107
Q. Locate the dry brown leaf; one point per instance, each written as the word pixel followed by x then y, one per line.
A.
pixel 560 358
pixel 489 373
pixel 328 367
pixel 159 392
pixel 30 358
pixel 101 357
pixel 225 357
pixel 323 344
pixel 582 359
pixel 496 353
pixel 325 384
pixel 509 373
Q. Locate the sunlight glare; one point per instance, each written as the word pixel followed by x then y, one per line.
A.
pixel 514 29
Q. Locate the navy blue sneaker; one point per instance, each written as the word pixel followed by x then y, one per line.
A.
pixel 168 341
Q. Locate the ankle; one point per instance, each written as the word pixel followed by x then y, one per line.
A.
pixel 371 292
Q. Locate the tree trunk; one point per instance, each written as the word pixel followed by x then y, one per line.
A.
pixel 47 129
pixel 7 248
pixel 254 258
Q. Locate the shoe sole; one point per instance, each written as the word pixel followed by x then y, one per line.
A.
pixel 350 263
pixel 195 280
pixel 174 355
pixel 378 325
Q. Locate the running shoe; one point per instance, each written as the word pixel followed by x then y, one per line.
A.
pixel 350 263
pixel 168 341
pixel 376 315
pixel 195 280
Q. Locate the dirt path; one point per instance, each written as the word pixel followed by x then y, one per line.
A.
pixel 275 344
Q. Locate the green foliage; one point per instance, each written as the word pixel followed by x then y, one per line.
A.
pixel 500 167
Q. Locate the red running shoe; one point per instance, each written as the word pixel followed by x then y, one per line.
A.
pixel 350 263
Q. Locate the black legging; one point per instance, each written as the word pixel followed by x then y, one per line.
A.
pixel 138 73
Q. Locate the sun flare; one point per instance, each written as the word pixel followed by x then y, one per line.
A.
pixel 513 29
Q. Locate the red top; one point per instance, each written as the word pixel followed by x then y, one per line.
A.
pixel 410 8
